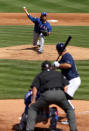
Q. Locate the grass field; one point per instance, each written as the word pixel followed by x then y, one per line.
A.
pixel 63 6
pixel 19 35
pixel 16 77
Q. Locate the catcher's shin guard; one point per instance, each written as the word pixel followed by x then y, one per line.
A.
pixel 53 118
pixel 23 122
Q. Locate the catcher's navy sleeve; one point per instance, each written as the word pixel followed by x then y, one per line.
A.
pixel 28 98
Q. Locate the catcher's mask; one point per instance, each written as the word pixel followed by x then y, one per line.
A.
pixel 45 65
pixel 60 47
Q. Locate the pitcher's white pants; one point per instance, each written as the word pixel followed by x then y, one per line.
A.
pixel 38 39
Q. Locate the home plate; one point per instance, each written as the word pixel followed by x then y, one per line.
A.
pixel 53 20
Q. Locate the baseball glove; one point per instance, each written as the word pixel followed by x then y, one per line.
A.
pixel 44 32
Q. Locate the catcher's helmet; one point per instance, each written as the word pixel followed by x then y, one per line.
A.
pixel 60 47
pixel 45 65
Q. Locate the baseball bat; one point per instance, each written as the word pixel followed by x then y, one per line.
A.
pixel 66 43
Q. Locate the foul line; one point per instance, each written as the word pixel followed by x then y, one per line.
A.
pixel 83 112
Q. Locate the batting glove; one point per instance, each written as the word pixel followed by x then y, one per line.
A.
pixel 56 64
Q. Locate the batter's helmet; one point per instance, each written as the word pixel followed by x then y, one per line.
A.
pixel 60 47
pixel 45 65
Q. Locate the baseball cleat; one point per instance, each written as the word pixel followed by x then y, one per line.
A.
pixel 40 52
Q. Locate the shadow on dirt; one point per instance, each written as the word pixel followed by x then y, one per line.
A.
pixel 16 127
pixel 32 48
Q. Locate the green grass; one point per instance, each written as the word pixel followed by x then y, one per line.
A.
pixel 15 35
pixel 16 77
pixel 83 91
pixel 64 6
pixel 21 35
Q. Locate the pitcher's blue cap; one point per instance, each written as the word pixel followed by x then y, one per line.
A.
pixel 43 14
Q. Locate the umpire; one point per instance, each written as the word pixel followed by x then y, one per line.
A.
pixel 51 85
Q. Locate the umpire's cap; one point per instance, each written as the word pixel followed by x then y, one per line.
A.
pixel 46 65
pixel 60 47
pixel 43 14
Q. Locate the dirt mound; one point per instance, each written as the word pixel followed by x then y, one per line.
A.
pixel 27 52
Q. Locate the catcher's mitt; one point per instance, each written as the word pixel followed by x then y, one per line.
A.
pixel 44 32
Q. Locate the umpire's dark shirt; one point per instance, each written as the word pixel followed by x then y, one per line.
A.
pixel 49 79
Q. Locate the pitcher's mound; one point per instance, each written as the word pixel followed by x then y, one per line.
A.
pixel 27 52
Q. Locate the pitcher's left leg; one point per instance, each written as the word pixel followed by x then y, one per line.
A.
pixel 41 43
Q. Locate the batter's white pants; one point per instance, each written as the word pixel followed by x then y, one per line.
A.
pixel 38 39
pixel 72 87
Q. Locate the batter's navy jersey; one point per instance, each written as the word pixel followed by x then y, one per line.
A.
pixel 71 72
pixel 39 25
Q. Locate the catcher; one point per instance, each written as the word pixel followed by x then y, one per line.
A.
pixel 42 116
pixel 42 28
pixel 27 101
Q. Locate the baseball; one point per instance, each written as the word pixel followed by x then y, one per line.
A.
pixel 24 7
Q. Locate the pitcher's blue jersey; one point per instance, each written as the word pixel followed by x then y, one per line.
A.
pixel 39 25
pixel 71 72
